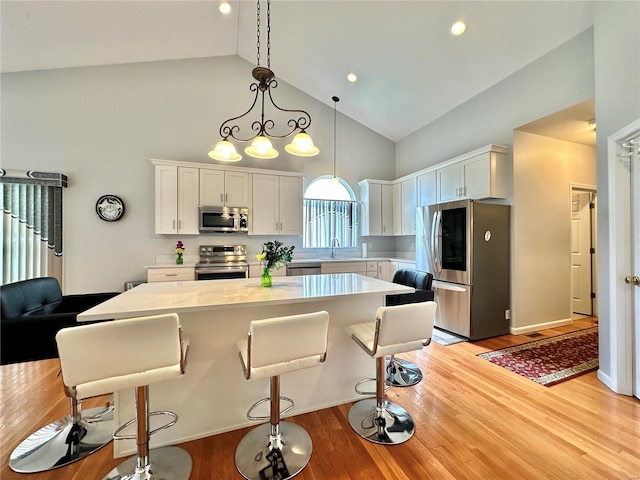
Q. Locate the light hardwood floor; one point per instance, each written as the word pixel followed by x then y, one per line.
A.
pixel 474 421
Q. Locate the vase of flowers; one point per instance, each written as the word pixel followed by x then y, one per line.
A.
pixel 179 252
pixel 273 256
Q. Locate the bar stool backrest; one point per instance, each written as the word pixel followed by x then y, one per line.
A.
pixel 105 357
pixel 285 340
pixel 405 324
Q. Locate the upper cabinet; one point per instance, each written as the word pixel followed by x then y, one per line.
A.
pixel 224 188
pixel 426 189
pixel 482 176
pixel 409 199
pixel 277 205
pixel 177 200
pixel 377 207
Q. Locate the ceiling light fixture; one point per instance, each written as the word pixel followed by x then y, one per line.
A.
pixel 335 101
pixel 352 77
pixel 301 145
pixel 224 7
pixel 458 27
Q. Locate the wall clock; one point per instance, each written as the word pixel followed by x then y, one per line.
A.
pixel 110 208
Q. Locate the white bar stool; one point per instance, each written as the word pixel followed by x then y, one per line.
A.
pixel 279 450
pixel 130 353
pixel 397 329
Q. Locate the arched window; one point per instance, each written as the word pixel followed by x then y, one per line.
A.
pixel 330 214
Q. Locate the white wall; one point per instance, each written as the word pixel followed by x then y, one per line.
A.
pixel 544 169
pixel 560 79
pixel 101 125
pixel 617 89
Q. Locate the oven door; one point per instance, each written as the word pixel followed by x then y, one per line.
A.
pixel 222 272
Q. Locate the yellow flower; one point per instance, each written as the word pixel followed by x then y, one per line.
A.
pixel 179 251
pixel 261 256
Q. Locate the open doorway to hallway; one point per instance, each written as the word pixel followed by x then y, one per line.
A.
pixel 583 251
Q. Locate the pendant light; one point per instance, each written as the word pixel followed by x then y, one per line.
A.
pixel 335 101
pixel 261 147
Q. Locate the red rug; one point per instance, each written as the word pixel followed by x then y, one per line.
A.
pixel 551 360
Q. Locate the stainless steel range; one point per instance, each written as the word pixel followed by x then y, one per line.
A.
pixel 219 262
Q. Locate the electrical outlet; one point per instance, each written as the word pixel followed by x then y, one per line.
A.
pixel 507 314
pixel 371 245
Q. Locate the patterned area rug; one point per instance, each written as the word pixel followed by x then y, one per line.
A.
pixel 551 360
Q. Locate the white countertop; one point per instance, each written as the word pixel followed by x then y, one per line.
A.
pixel 191 296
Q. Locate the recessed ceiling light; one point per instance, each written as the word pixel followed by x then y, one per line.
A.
pixel 458 28
pixel 224 7
pixel 352 77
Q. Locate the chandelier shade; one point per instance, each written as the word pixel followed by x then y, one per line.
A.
pixel 264 128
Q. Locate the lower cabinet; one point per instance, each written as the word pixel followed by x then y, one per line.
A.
pixel 170 274
pixel 344 267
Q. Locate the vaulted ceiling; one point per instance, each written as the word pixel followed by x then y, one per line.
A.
pixel 411 69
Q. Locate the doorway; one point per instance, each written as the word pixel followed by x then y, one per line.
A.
pixel 583 251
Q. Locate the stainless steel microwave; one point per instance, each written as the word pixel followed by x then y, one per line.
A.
pixel 224 220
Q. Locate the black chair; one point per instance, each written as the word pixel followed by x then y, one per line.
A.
pixel 32 312
pixel 401 373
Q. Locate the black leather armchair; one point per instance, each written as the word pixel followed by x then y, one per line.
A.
pixel 32 312
pixel 417 279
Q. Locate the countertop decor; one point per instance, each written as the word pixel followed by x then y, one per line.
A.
pixel 274 255
pixel 179 252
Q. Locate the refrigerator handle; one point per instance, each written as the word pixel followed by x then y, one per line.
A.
pixel 435 241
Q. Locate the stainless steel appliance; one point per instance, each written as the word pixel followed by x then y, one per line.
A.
pixel 303 268
pixel 219 262
pixel 465 245
pixel 224 220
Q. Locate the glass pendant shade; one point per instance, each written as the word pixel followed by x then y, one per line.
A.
pixel 302 146
pixel 261 148
pixel 225 152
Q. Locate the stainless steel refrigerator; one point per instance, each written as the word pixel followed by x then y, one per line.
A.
pixel 465 245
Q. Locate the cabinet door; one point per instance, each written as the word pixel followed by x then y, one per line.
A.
pixel 236 188
pixel 375 209
pixel 188 198
pixel 212 188
pixel 476 174
pixel 427 189
pixel 290 203
pixel 397 209
pixel 409 207
pixel 448 183
pixel 166 199
pixel 264 212
pixel 386 210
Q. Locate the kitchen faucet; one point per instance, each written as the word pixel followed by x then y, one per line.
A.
pixel 334 243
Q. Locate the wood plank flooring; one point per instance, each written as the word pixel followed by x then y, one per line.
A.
pixel 474 420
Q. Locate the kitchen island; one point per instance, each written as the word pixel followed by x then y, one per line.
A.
pixel 213 396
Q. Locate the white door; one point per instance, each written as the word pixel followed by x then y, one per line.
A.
pixel 635 245
pixel 581 252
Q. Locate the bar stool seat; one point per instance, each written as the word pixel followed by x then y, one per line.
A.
pixel 279 450
pixel 134 353
pixel 397 329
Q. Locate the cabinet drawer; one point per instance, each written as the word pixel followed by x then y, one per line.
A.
pixel 170 274
pixel 372 266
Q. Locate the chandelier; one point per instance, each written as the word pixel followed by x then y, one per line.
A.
pixel 261 147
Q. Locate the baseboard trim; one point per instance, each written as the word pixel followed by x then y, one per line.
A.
pixel 540 326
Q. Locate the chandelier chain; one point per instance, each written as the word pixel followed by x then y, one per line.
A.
pixel 258 35
pixel 269 34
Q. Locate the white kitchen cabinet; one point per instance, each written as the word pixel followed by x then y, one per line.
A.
pixel 482 176
pixel 385 270
pixel 170 274
pixel 372 269
pixel 177 200
pixel 426 189
pixel 277 205
pixel 397 209
pixel 377 208
pixel 409 199
pixel 224 188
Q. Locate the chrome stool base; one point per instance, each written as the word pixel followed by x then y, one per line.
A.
pixel 50 447
pixel 258 457
pixel 166 463
pixel 401 373
pixel 389 425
